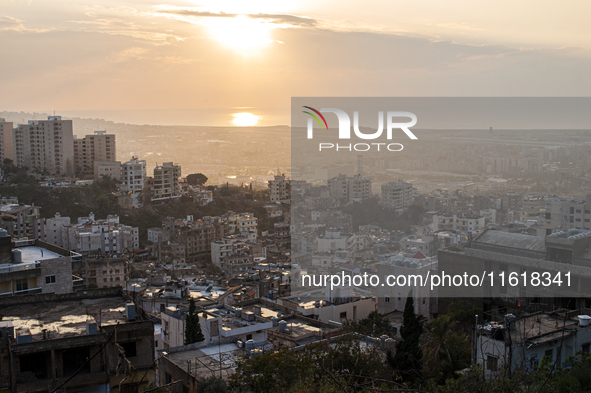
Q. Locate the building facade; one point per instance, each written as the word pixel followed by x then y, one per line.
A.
pixel 45 145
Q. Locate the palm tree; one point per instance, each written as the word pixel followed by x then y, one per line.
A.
pixel 445 349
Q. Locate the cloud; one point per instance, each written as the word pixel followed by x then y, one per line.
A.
pixel 8 23
pixel 280 19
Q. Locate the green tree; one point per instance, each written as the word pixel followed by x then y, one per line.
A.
pixel 196 179
pixel 375 325
pixel 445 349
pixel 407 361
pixel 193 333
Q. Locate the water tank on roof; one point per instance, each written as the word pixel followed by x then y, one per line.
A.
pixel 130 311
pixel 584 320
pixel 250 345
pixel 238 312
pixel 17 256
pixel 282 326
pixel 275 321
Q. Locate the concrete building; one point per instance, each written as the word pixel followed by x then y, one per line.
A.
pixel 105 272
pixel 194 236
pixel 53 232
pixel 522 342
pixel 515 253
pixel 110 169
pixel 45 145
pixel 99 237
pixel 568 213
pixel 99 146
pixel 356 188
pixel 34 267
pixel 218 323
pixel 6 140
pixel 244 224
pixel 22 221
pixel 407 264
pixel 133 179
pixel 166 181
pixel 51 340
pixel 398 196
pixel 280 189
pixel 455 223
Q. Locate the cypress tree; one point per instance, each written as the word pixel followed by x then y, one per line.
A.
pixel 193 333
pixel 407 361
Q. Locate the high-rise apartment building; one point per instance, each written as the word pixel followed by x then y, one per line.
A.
pixel 6 140
pixel 133 175
pixel 45 145
pixel 280 189
pixel 166 181
pixel 97 147
pixel 398 196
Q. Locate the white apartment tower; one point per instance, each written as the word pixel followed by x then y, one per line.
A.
pixel 6 140
pixel 97 147
pixel 45 145
pixel 166 181
pixel 133 175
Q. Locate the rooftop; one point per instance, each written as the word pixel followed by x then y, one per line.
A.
pixel 511 240
pixel 65 318
pixel 34 254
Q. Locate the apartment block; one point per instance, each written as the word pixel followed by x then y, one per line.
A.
pixel 22 221
pixel 53 232
pixel 398 196
pixel 49 342
pixel 105 272
pixel 280 189
pixel 356 188
pixel 45 145
pixel 100 237
pixel 111 169
pixel 34 267
pixel 99 146
pixel 166 181
pixel 6 140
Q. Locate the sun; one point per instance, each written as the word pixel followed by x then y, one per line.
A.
pixel 241 33
pixel 245 119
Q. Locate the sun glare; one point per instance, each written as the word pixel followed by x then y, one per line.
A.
pixel 245 119
pixel 240 33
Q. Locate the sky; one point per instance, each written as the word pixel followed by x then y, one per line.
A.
pixel 159 60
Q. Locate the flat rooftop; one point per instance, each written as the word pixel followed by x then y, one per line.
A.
pixel 34 254
pixel 65 318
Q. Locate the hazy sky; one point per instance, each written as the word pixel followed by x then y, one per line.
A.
pixel 164 55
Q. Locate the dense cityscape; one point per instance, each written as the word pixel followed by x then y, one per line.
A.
pixel 119 278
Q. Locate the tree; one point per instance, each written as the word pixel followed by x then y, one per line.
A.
pixel 407 360
pixel 193 333
pixel 375 325
pixel 446 350
pixel 196 179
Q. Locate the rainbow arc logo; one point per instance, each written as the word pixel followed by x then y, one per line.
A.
pixel 315 117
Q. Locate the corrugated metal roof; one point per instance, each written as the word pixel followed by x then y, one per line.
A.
pixel 513 240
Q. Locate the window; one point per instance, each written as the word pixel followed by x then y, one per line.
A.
pixel 155 343
pixel 22 285
pixel 387 299
pixel 50 279
pixel 167 378
pixel 344 315
pixel 492 363
pixel 585 348
pixel 130 349
pixel 548 354
pixel 248 337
